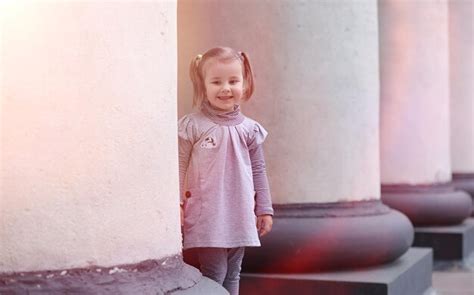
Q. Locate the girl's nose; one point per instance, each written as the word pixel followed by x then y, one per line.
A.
pixel 225 88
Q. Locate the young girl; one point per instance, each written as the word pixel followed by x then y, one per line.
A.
pixel 225 195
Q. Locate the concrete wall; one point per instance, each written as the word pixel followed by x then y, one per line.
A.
pixel 461 57
pixel 316 68
pixel 414 92
pixel 88 139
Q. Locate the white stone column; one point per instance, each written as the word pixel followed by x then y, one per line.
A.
pixel 415 145
pixel 316 73
pixel 461 58
pixel 89 176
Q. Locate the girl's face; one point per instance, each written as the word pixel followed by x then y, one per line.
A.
pixel 224 83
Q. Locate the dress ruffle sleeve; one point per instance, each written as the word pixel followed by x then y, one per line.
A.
pixel 185 129
pixel 257 136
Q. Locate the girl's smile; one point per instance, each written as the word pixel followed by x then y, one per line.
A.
pixel 224 84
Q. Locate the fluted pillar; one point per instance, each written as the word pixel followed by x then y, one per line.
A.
pixel 415 148
pixel 461 62
pixel 89 181
pixel 316 69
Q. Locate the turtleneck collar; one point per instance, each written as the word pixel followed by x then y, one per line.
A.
pixel 231 118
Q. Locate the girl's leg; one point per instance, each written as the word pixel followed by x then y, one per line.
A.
pixel 234 265
pixel 213 263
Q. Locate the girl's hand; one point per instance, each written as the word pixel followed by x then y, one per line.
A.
pixel 264 224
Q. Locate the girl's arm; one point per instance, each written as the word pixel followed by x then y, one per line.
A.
pixel 263 208
pixel 263 201
pixel 185 149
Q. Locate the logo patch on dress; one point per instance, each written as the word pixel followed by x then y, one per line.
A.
pixel 209 143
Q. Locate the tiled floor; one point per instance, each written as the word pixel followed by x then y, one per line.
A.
pixel 454 278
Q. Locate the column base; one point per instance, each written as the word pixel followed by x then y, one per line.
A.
pixel 162 276
pixel 426 205
pixel 465 182
pixel 454 242
pixel 410 274
pixel 464 265
pixel 319 237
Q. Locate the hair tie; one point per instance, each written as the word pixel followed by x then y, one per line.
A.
pixel 199 57
pixel 242 56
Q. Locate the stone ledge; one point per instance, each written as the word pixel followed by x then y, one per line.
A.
pixel 410 274
pixel 162 276
pixel 448 242
pixel 464 265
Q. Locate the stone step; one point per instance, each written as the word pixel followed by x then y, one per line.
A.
pixel 454 242
pixel 409 274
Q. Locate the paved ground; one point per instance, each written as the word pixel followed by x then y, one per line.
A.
pixel 454 278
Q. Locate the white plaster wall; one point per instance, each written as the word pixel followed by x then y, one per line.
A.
pixel 461 56
pixel 89 149
pixel 414 92
pixel 316 68
pixel 2 228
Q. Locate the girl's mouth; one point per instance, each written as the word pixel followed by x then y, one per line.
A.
pixel 225 97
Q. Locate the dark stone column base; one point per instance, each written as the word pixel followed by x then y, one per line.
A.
pixel 425 205
pixel 318 237
pixel 454 242
pixel 465 182
pixel 164 276
pixel 410 274
pixel 460 265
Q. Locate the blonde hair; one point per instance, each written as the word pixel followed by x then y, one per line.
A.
pixel 222 54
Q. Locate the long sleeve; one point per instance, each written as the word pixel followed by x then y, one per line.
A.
pixel 263 202
pixel 185 147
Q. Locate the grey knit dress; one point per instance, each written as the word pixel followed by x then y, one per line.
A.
pixel 222 171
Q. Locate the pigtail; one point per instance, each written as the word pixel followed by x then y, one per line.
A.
pixel 196 78
pixel 248 76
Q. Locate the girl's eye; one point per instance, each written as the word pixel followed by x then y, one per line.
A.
pixel 215 82
pixel 234 81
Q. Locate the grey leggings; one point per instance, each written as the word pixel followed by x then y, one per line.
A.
pixel 222 265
